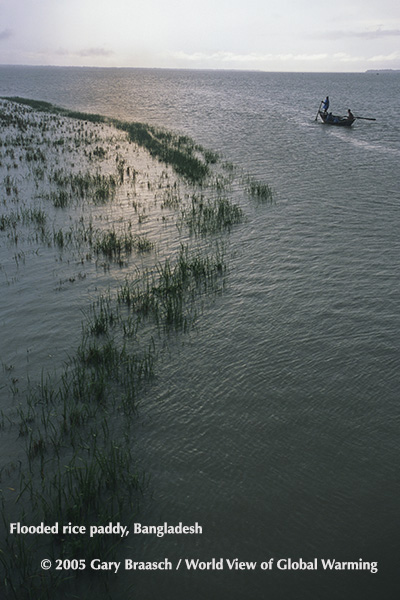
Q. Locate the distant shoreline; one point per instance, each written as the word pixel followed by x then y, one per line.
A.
pixel 383 71
pixel 208 69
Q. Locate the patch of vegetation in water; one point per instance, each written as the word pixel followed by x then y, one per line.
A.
pixel 189 160
pixel 259 190
pixel 78 463
pixel 114 244
pixel 207 216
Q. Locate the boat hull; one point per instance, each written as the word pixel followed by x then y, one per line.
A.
pixel 330 119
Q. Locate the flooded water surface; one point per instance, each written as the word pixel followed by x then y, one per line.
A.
pixel 272 418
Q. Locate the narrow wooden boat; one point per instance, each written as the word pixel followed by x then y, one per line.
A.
pixel 331 119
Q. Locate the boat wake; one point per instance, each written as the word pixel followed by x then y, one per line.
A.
pixel 367 145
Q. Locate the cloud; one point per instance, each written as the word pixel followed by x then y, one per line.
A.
pixel 94 52
pixel 5 34
pixel 280 61
pixel 231 57
pixel 381 58
pixel 85 52
pixel 346 58
pixel 366 35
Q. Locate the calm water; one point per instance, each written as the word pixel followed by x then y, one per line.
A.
pixel 276 424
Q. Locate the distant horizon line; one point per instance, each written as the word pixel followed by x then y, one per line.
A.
pixel 196 69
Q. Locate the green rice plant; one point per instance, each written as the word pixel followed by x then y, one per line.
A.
pixel 8 184
pixel 36 155
pixel 101 317
pixel 143 244
pixel 38 173
pixel 206 216
pixel 60 199
pixel 171 198
pixel 37 445
pixel 17 559
pixel 35 104
pixel 211 157
pixel 130 326
pixel 24 216
pixel 166 295
pixel 9 221
pixel 114 245
pixel 82 233
pixel 100 188
pixel 81 490
pixel 104 190
pixel 259 190
pixel 94 355
pixel 34 215
pixel 121 168
pixel 58 238
pixel 99 152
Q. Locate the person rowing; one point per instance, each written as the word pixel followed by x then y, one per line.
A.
pixel 325 105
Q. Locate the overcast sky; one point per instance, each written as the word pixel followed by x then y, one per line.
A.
pixel 270 35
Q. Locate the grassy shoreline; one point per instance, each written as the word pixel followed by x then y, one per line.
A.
pixel 188 159
pixel 74 430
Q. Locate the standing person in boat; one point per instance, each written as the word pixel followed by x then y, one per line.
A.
pixel 325 105
pixel 350 116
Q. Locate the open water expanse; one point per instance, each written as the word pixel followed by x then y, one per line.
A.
pixel 275 424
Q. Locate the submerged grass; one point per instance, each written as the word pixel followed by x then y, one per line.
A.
pixel 114 245
pixel 167 295
pixel 97 187
pixel 75 427
pixel 205 216
pixel 189 160
pixel 178 151
pixel 25 216
pixel 81 490
pixel 96 480
pixel 259 190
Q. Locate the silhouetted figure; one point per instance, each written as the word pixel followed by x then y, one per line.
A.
pixel 325 105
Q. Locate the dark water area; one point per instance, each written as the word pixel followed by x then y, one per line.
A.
pixel 275 425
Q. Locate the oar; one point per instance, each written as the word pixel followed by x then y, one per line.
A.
pixel 318 110
pixel 365 118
